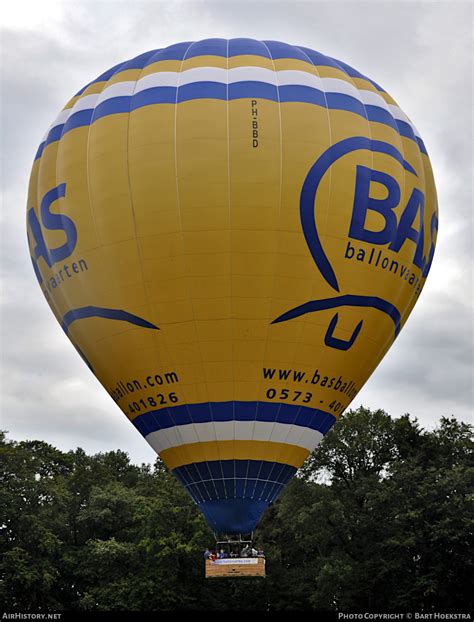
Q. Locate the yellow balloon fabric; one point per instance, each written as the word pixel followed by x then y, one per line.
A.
pixel 232 234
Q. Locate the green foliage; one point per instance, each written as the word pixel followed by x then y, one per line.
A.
pixel 379 518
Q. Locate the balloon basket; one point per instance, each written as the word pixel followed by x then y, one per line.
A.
pixel 238 561
pixel 239 567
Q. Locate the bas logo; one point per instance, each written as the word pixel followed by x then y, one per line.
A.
pixel 52 222
pixel 394 234
pixel 59 222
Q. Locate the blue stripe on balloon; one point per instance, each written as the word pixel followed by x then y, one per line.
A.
pixel 279 50
pixel 319 59
pixel 341 101
pixel 114 105
pixel 234 411
pixel 78 119
pixel 208 47
pixel 353 73
pixel 154 95
pixel 421 144
pixel 175 52
pixel 233 494
pixel 232 47
pixel 322 60
pixel 202 90
pixel 233 91
pixel 40 150
pixel 302 94
pixel 54 134
pixel 172 52
pixel 253 89
pixel 379 115
pixel 231 516
pixel 242 46
pixel 234 469
pixel 102 78
pixel 406 129
pixel 139 62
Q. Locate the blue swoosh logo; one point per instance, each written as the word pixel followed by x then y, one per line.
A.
pixel 82 313
pixel 311 185
pixel 109 314
pixel 348 300
pixel 308 223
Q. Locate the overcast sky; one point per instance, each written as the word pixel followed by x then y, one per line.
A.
pixel 421 53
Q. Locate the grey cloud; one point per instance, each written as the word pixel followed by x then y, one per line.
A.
pixel 419 52
pixel 433 355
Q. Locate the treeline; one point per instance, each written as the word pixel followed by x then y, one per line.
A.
pixel 379 518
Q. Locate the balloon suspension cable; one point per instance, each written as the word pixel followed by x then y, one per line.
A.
pixel 239 538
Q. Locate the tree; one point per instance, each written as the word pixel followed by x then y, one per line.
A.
pixel 379 517
pixel 395 525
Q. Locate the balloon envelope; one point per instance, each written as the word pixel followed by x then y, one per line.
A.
pixel 232 234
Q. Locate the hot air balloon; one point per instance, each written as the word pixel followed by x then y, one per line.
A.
pixel 232 234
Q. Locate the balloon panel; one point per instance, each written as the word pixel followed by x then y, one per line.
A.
pixel 232 234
